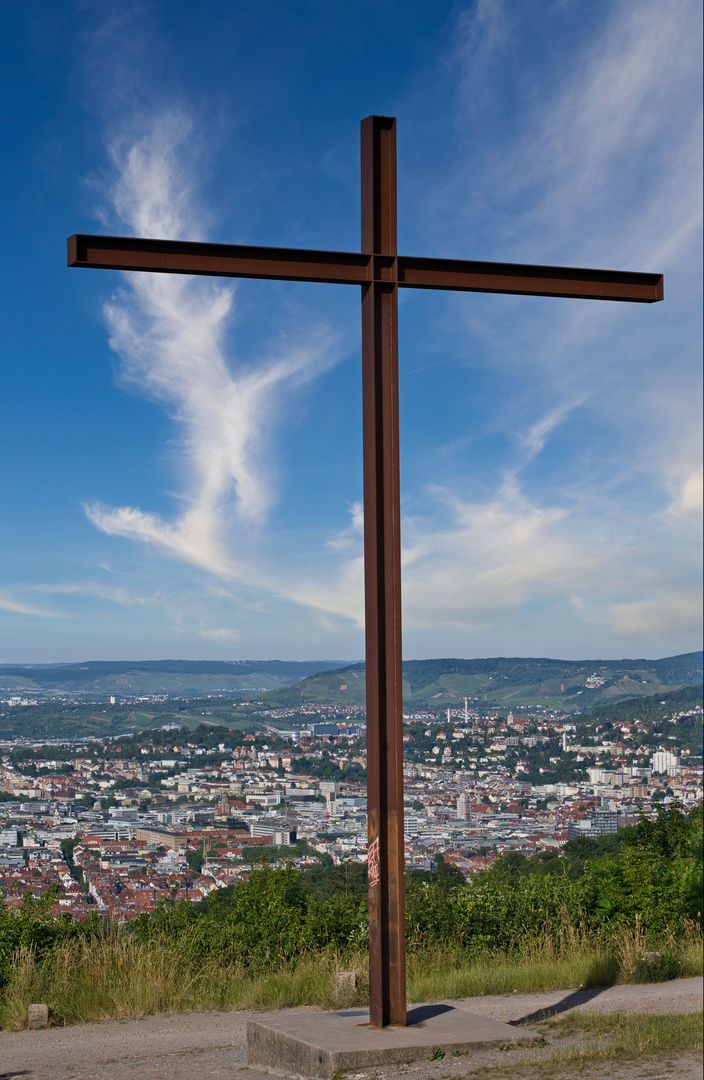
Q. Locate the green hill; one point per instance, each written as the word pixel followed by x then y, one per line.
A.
pixel 174 678
pixel 502 682
pixel 509 682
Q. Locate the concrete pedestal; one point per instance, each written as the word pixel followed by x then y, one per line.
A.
pixel 317 1045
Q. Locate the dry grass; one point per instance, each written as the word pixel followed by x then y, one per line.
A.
pixel 573 961
pixel 116 977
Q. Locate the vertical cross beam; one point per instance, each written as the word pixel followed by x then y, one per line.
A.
pixel 382 578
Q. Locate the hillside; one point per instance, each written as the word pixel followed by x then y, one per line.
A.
pixel 174 678
pixel 509 682
pixel 685 730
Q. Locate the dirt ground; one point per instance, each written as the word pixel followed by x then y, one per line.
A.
pixel 212 1046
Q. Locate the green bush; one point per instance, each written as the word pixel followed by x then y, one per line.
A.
pixel 645 885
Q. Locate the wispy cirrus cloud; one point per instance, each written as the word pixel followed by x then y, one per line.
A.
pixel 585 145
pixel 170 333
pixel 602 167
pixel 472 567
pixel 539 432
pixel 464 561
pixel 116 594
pixel 469 561
pixel 20 607
pixel 687 487
pixel 220 634
pixel 601 545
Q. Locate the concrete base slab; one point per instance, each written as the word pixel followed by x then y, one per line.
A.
pixel 318 1045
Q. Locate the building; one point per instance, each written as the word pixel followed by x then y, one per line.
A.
pixel 273 830
pixel 664 761
pixel 604 822
pixel 323 729
pixel 600 823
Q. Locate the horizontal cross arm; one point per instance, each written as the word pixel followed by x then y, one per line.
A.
pixel 565 281
pixel 218 260
pixel 354 268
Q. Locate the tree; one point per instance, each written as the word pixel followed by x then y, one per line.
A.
pixel 448 875
pixel 195 858
pixel 581 848
pixel 67 847
pixel 512 863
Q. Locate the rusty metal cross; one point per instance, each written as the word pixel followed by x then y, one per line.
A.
pixel 381 272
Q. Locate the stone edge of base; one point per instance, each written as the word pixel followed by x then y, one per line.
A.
pixel 285 1055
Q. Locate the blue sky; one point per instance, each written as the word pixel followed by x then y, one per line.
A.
pixel 182 457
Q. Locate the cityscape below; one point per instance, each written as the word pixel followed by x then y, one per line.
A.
pixel 115 804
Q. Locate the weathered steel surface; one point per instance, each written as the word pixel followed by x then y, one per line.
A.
pixel 567 281
pixel 353 268
pixel 217 260
pixel 380 272
pixel 382 580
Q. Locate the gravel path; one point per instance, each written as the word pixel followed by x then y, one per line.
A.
pixel 212 1046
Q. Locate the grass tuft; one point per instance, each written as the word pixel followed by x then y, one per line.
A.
pixel 114 976
pixel 603 1042
pixel 640 1034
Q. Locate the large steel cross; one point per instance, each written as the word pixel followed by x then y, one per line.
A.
pixel 380 271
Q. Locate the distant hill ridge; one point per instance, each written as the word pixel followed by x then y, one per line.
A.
pixel 511 682
pixel 166 676
pixel 507 682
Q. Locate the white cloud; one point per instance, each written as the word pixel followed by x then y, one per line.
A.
pixel 349 537
pixel 484 558
pixel 663 613
pixel 222 633
pixel 687 486
pixel 170 334
pixel 154 187
pixel 192 538
pixel 539 432
pixel 469 562
pixel 19 607
pixel 113 594
pixel 472 566
pixel 629 93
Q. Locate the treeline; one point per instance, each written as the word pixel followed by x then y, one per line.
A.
pixel 529 670
pixel 648 877
pixel 325 769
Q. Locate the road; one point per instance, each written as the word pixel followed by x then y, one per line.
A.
pixel 212 1046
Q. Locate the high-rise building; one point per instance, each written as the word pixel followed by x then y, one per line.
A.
pixel 664 761
pixel 601 823
pixel 604 822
